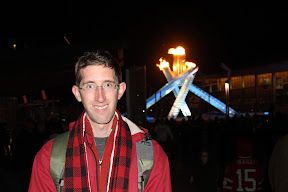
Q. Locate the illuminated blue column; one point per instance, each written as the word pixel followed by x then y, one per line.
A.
pixel 211 100
pixel 184 107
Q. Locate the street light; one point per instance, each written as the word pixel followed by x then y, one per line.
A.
pixel 227 90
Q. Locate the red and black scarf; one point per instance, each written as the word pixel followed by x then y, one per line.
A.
pixel 76 175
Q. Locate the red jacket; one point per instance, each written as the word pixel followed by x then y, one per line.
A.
pixel 159 179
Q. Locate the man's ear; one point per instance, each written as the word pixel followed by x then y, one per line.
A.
pixel 75 91
pixel 121 91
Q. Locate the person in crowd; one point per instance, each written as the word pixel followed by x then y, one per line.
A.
pixel 101 150
pixel 244 173
pixel 26 145
pixel 4 141
pixel 163 134
pixel 203 174
pixel 278 167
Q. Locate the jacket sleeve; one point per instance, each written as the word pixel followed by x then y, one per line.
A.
pixel 41 179
pixel 260 177
pixel 159 179
pixel 228 180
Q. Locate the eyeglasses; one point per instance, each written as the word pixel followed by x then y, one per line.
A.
pixel 106 87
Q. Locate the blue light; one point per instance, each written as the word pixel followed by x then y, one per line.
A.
pixel 150 119
pixel 211 100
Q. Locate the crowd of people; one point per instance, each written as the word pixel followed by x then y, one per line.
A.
pixel 19 147
pixel 219 147
pixel 208 148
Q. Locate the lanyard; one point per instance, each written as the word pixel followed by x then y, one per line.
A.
pixel 111 156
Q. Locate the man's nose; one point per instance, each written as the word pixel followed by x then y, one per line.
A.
pixel 99 95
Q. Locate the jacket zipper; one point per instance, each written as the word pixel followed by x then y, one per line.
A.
pixel 100 165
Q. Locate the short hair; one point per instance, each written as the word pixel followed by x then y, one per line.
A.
pixel 244 146
pixel 97 57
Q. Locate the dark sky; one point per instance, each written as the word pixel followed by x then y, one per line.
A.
pixel 211 33
pixel 240 35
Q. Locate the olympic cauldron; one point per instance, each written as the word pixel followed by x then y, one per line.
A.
pixel 180 83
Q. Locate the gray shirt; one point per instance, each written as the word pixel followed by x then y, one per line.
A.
pixel 100 145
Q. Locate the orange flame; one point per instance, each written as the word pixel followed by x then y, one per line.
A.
pixel 163 64
pixel 178 51
pixel 190 64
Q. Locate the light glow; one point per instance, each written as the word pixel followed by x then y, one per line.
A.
pixel 190 64
pixel 178 51
pixel 66 40
pixel 163 64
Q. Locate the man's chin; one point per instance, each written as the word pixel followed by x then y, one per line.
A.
pixel 103 121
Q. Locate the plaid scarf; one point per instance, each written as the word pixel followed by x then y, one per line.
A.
pixel 76 175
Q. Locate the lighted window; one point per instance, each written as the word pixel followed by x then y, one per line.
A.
pixel 279 83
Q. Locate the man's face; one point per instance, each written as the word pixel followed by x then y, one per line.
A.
pixel 100 105
pixel 204 157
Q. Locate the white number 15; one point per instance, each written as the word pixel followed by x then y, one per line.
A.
pixel 246 179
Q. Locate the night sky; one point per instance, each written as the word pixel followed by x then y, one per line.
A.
pixel 240 35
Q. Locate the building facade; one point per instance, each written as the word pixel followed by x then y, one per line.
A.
pixel 258 89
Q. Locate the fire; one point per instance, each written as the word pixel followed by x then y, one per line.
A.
pixel 178 51
pixel 163 64
pixel 190 64
pixel 180 65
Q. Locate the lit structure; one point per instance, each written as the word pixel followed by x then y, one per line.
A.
pixel 180 82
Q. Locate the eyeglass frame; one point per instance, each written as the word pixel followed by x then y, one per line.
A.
pixel 116 86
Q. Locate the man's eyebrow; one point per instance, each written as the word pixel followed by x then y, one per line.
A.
pixel 105 81
pixel 86 82
pixel 109 81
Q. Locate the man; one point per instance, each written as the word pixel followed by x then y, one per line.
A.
pixel 203 174
pixel 278 169
pixel 163 134
pixel 101 151
pixel 245 172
